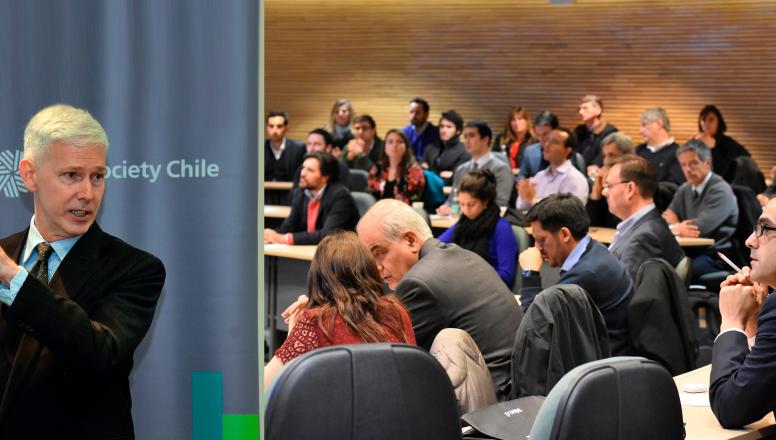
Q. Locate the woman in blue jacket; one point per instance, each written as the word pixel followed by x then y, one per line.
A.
pixel 481 228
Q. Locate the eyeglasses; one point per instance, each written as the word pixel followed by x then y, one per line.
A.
pixel 608 186
pixel 760 229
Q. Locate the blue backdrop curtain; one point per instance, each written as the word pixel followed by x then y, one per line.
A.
pixel 174 83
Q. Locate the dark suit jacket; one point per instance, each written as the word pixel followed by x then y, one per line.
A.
pixel 648 238
pixel 283 170
pixel 67 347
pixel 742 382
pixel 605 279
pixel 337 211
pixel 452 287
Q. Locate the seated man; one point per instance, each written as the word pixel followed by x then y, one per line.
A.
pixel 533 162
pixel 442 285
pixel 743 363
pixel 419 131
pixel 642 234
pixel 477 136
pixel 704 206
pixel 560 176
pixel 450 153
pixel 319 206
pixel 593 129
pixel 282 156
pixel 365 149
pixel 615 145
pixel 321 140
pixel 659 146
pixel 559 225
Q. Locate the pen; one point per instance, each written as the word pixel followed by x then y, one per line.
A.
pixel 727 260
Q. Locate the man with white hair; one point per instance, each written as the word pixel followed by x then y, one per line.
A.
pixel 442 285
pixel 75 302
pixel 659 146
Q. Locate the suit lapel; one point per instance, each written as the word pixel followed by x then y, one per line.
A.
pixel 71 275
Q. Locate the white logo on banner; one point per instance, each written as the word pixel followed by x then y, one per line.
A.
pixel 10 181
pixel 174 169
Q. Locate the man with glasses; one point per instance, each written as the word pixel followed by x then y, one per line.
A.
pixel 642 234
pixel 704 206
pixel 743 367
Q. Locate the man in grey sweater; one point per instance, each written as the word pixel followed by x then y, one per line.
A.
pixel 704 206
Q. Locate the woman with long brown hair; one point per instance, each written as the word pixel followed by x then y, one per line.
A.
pixel 518 133
pixel 397 175
pixel 346 304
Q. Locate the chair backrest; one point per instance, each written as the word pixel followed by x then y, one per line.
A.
pixel 748 174
pixel 363 200
pixel 659 318
pixel 358 180
pixel 370 391
pixel 579 163
pixel 684 270
pixel 749 210
pixel 563 328
pixel 523 243
pixel 664 194
pixel 617 398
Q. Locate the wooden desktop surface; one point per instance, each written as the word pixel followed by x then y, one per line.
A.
pixel 296 252
pixel 278 185
pixel 700 423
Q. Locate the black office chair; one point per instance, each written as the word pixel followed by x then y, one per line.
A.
pixel 358 180
pixel 364 391
pixel 617 398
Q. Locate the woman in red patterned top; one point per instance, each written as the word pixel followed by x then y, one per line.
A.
pixel 397 175
pixel 346 304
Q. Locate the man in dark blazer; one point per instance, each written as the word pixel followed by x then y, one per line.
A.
pixel 319 206
pixel 642 234
pixel 366 148
pixel 443 285
pixel 282 156
pixel 75 302
pixel 559 225
pixel 743 363
pixel 321 140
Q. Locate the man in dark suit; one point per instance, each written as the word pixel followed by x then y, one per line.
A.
pixel 743 364
pixel 442 285
pixel 319 206
pixel 365 149
pixel 659 146
pixel 75 302
pixel 559 225
pixel 321 140
pixel 282 156
pixel 642 234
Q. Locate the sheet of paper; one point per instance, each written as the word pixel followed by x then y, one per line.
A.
pixel 694 399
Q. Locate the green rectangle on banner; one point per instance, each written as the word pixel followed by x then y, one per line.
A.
pixel 241 426
pixel 207 406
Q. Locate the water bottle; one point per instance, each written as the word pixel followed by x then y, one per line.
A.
pixel 455 207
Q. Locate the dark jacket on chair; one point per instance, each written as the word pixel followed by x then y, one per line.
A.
pixel 562 329
pixel 659 318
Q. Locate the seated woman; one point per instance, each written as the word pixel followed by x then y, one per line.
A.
pixel 481 228
pixel 346 304
pixel 397 175
pixel 724 149
pixel 340 124
pixel 518 133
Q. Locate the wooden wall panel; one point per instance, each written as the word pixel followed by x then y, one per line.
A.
pixel 480 57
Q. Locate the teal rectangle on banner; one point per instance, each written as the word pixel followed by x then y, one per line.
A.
pixel 207 406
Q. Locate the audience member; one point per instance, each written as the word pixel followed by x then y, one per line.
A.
pixel 704 206
pixel 444 157
pixel 397 175
pixel 593 129
pixel 365 149
pixel 560 225
pixel 282 156
pixel 321 140
pixel 442 285
pixel 480 228
pixel 742 366
pixel 420 132
pixel 643 234
pixel 346 305
pixel 533 162
pixel 614 145
pixel 518 133
pixel 477 135
pixel 659 146
pixel 340 124
pixel 559 176
pixel 724 149
pixel 319 206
